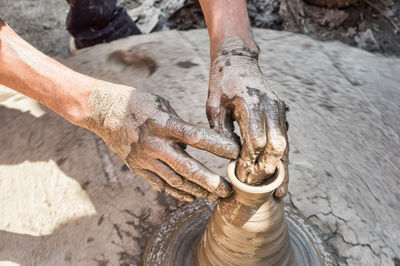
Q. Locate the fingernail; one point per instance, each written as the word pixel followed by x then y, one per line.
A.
pixel 189 198
pixel 203 195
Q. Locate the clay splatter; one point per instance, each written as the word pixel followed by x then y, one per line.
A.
pixel 186 64
pixel 253 91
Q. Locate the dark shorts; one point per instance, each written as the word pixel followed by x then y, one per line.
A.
pixel 96 21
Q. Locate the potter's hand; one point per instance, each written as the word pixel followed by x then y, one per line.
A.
pixel 141 128
pixel 237 91
pixel 148 135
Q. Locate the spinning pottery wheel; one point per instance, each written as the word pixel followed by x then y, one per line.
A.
pixel 248 228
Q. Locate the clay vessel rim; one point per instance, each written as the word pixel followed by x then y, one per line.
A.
pixel 255 189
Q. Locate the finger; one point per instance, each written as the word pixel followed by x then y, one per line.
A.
pixel 159 185
pixel 202 138
pixel 282 190
pixel 156 183
pixel 276 138
pixel 213 112
pixel 252 129
pixel 179 194
pixel 176 181
pixel 220 119
pixel 212 197
pixel 192 170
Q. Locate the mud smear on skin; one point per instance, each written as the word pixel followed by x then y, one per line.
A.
pixel 145 131
pixel 253 91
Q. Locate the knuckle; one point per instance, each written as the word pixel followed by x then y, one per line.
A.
pixel 175 182
pixel 277 145
pixel 197 174
pixel 190 133
pixel 259 142
pixel 185 167
pixel 239 102
pixel 212 102
pixel 131 160
pixel 247 155
pixel 212 197
pixel 268 169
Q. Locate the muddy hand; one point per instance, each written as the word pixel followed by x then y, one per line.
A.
pixel 147 134
pixel 237 92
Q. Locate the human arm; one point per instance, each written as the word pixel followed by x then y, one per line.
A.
pixel 30 72
pixel 238 92
pixel 141 128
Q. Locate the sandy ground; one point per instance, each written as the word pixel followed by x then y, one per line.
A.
pixel 67 200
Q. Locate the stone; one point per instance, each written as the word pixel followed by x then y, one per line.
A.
pixel 150 13
pixel 153 15
pixel 366 40
pixel 333 18
pixel 263 13
pixel 351 31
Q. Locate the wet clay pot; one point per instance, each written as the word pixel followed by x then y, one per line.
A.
pixel 247 228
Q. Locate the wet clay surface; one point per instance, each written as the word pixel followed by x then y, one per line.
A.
pixel 69 190
pixel 248 228
pixel 175 240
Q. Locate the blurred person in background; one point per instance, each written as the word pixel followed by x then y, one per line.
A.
pixel 91 22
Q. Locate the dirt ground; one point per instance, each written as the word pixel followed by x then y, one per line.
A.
pixel 367 25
